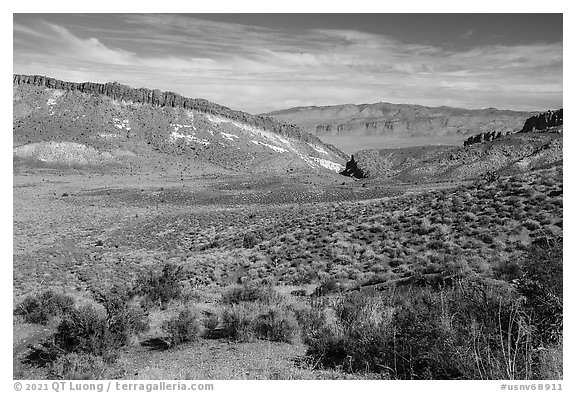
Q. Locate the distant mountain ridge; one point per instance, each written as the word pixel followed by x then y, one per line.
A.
pixel 402 120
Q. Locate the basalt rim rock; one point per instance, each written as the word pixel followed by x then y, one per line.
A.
pixel 353 170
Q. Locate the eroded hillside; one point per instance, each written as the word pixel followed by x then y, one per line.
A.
pixel 508 154
pixel 112 125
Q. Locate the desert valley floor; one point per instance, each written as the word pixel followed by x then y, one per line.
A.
pixel 75 232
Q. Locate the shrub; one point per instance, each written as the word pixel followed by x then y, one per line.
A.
pixel 278 324
pixel 185 327
pixel 329 285
pixel 95 331
pixel 541 283
pixel 123 319
pixel 238 321
pixel 159 288
pixel 78 366
pixel 486 238
pixel 531 224
pixel 551 361
pixel 42 307
pixel 211 322
pixel 436 245
pixel 470 330
pixel 249 293
pixel 85 330
pixel 250 240
pixel 311 319
pixel 507 270
pixel 352 339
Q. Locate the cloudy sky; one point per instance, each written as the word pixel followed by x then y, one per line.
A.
pixel 264 62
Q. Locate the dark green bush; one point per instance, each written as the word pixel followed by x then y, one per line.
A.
pixel 184 327
pixel 41 308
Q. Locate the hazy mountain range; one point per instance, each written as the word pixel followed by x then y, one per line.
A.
pixel 357 127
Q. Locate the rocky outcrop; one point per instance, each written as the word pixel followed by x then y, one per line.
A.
pixel 543 121
pixel 121 92
pixel 485 137
pixel 353 170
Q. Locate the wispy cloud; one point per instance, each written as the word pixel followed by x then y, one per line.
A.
pixel 468 34
pixel 259 69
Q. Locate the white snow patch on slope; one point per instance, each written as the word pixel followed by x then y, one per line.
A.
pixel 179 126
pixel 287 143
pixel 333 166
pixel 109 136
pixel 230 137
pixel 275 148
pixel 319 149
pixel 62 152
pixel 53 100
pixel 122 124
pixel 270 136
pixel 188 138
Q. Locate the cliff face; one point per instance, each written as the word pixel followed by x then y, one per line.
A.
pixel 159 98
pixel 543 121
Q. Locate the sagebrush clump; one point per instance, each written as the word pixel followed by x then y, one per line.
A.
pixel 183 328
pixel 469 330
pixel 42 307
pixel 92 331
pixel 159 288
pixel 78 366
pixel 248 293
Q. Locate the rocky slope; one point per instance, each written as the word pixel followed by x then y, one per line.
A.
pixel 400 120
pixel 511 153
pixel 92 124
pixel 550 121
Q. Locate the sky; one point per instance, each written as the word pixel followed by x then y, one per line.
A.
pixel 264 62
